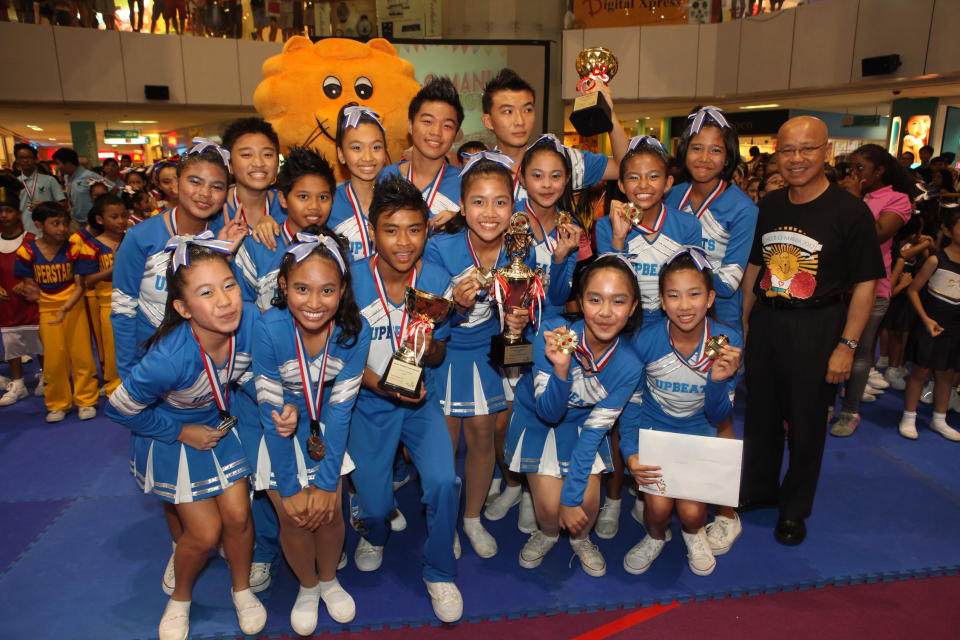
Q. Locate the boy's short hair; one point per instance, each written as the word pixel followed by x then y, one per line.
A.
pixel 439 89
pixel 303 161
pixel 67 155
pixel 505 80
pixel 243 126
pixel 23 146
pixel 10 189
pixel 107 161
pixel 46 210
pixel 472 146
pixel 393 194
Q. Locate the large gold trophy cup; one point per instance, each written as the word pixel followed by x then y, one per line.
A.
pixel 591 113
pixel 516 287
pixel 404 373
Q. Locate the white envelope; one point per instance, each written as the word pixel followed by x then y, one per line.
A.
pixel 702 468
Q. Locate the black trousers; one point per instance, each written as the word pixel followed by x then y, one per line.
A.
pixel 786 358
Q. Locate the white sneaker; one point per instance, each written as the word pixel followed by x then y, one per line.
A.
pixel 722 533
pixel 869 394
pixel 367 557
pixel 637 513
pixel 954 400
pixel 642 555
pixel 175 623
pixel 16 390
pixel 457 549
pixel 303 616
pixel 340 604
pixel 251 614
pixel 343 560
pixel 608 522
pixel 259 576
pixel 591 560
pixel 56 416
pixel 87 413
pixel 527 522
pixel 946 431
pixel 446 599
pixel 397 521
pixel 883 362
pixel 533 552
pixel 4 381
pixel 699 556
pixel 926 396
pixel 896 376
pixel 38 391
pixel 509 497
pixel 908 430
pixel 169 582
pixel 484 544
pixel 876 380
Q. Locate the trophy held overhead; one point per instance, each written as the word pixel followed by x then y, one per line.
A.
pixel 591 112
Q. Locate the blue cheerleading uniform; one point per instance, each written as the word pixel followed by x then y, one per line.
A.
pixel 728 218
pixel 561 428
pixel 443 192
pixel 288 468
pixel 139 295
pixel 557 276
pixel 587 169
pixel 676 394
pixel 467 383
pixel 168 389
pixel 348 219
pixel 256 267
pixel 273 208
pixel 379 424
pixel 673 230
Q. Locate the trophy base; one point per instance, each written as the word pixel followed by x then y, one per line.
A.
pixel 591 115
pixel 506 354
pixel 403 378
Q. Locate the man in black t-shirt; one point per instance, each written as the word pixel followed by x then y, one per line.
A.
pixel 814 243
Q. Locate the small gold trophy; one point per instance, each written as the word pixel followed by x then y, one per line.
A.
pixel 404 373
pixel 715 345
pixel 515 288
pixel 591 113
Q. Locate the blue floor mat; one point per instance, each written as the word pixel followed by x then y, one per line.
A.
pixel 80 540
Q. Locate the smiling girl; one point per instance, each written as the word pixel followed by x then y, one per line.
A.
pixel 177 403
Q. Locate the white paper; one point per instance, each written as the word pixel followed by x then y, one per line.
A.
pixel 701 468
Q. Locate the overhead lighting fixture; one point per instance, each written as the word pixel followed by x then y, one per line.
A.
pixel 34 127
pixel 134 140
pixel 760 106
pixel 52 139
pixel 136 122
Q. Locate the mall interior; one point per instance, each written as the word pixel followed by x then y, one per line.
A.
pixel 82 549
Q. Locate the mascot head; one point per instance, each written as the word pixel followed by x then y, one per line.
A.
pixel 305 86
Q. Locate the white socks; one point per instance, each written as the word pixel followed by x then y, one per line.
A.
pixel 939 420
pixel 909 419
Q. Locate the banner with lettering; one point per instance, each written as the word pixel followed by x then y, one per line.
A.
pixel 589 14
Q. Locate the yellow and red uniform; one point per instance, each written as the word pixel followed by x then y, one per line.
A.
pixel 66 345
pixel 96 256
pixel 78 241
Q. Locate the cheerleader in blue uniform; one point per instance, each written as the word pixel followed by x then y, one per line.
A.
pixel 709 153
pixel 362 149
pixel 309 356
pixel 305 187
pixel 545 173
pixel 383 418
pixel 657 230
pixel 683 391
pixel 435 117
pixel 184 447
pixel 469 386
pixel 140 267
pixel 566 406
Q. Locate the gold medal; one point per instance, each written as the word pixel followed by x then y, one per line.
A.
pixel 715 345
pixel 633 213
pixel 567 341
pixel 484 277
pixel 564 217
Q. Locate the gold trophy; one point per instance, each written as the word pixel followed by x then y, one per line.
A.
pixel 404 373
pixel 715 345
pixel 591 113
pixel 516 287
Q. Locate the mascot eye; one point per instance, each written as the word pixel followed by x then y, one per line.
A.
pixel 332 87
pixel 363 87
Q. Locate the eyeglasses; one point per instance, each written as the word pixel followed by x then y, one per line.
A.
pixel 806 152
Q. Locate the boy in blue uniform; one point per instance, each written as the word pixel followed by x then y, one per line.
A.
pixel 254 161
pixel 382 419
pixel 435 117
pixel 509 112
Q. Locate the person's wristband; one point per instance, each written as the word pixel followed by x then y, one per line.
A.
pixel 852 344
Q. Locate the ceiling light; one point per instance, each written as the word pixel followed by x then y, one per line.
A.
pixel 52 139
pixel 34 127
pixel 760 106
pixel 136 122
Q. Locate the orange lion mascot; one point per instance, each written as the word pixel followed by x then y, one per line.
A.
pixel 305 86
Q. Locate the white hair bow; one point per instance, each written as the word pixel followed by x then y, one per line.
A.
pixel 353 113
pixel 202 144
pixel 307 242
pixel 700 116
pixel 180 246
pixel 494 156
